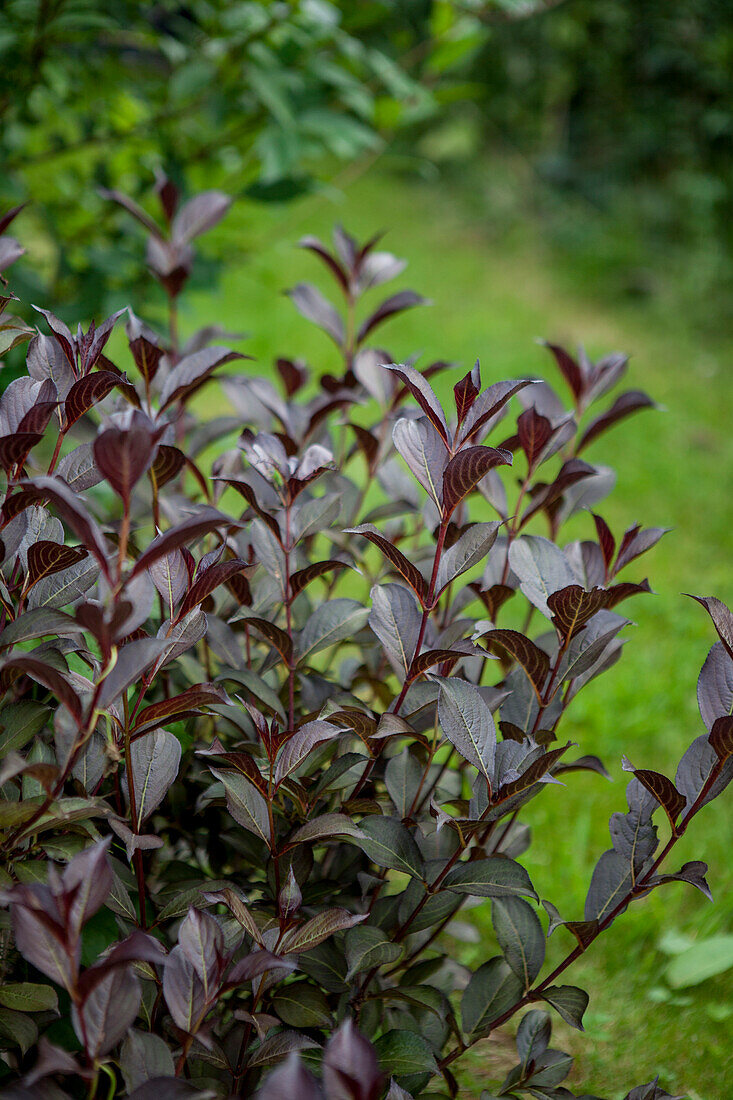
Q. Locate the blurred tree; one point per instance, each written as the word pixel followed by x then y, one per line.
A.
pixel 629 104
pixel 255 92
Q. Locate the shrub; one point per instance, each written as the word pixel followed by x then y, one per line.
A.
pixel 270 719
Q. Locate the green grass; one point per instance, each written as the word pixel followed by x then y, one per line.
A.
pixel 493 294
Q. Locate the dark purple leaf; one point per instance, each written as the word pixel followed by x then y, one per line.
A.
pixel 290 1081
pixel 131 207
pixel 48 677
pixel 715 685
pixel 192 371
pixel 108 1012
pixel 189 701
pixel 722 619
pixel 622 407
pixel 255 964
pixel 465 470
pixel 636 542
pixel 570 369
pixel 14 449
pixel 489 404
pixel 404 299
pixel 721 736
pixel 201 523
pixel 202 942
pixel 466 391
pixel 198 215
pixel 533 660
pixel 664 790
pixel 314 307
pixel 572 607
pixel 396 558
pixel 535 432
pixel 155 759
pixel 124 454
pixel 314 245
pixel 208 581
pixel 350 1067
pixel 62 334
pixel 86 393
pixel 424 394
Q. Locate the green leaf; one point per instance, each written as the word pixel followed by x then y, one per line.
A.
pixel 331 622
pixel 36 624
pixel 301 1004
pixel 388 843
pixel 494 877
pixel 318 929
pixel 20 1030
pixel 367 947
pixel 245 803
pixel 569 1001
pixel 21 722
pixel 404 1052
pixel 28 997
pixel 326 827
pixel 703 960
pixel 520 937
pixel 492 990
pixel 256 685
pixel 402 778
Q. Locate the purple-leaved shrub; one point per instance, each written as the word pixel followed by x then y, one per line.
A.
pixel 270 719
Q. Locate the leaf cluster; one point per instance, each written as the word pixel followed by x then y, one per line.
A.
pixel 276 688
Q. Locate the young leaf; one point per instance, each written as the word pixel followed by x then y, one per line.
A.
pixel 309 301
pixel 623 406
pixel 424 394
pixel 420 446
pixel 404 299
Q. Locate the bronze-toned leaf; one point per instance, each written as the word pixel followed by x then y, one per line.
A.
pixel 721 736
pixel 535 431
pixel 275 636
pixel 404 567
pixel 45 558
pixel 465 470
pixel 572 607
pixel 303 577
pixel 533 660
pixel 86 393
pixel 623 406
pixel 664 791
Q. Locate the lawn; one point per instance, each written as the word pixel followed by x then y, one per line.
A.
pixel 492 295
